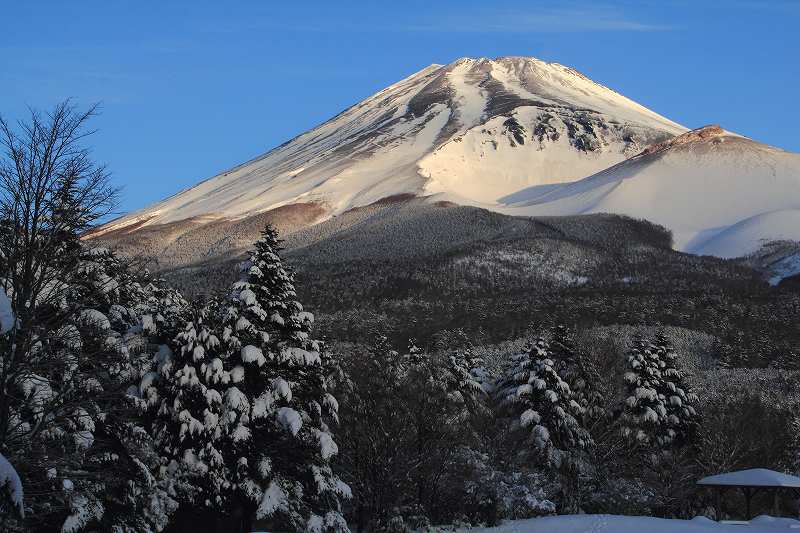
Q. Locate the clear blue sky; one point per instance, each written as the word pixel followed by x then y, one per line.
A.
pixel 190 88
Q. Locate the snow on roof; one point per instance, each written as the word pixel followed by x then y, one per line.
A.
pixel 754 477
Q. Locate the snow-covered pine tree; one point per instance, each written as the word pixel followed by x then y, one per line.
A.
pixel 579 372
pixel 657 414
pixel 680 399
pixel 382 356
pixel 184 392
pixel 462 371
pixel 414 354
pixel 644 417
pixel 465 379
pixel 291 477
pixel 543 402
pixel 276 309
pixel 253 409
pixel 118 490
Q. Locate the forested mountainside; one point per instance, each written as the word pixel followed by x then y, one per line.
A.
pixel 419 267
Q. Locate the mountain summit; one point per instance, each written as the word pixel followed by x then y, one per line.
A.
pixel 478 129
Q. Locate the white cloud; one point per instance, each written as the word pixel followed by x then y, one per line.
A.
pixel 572 17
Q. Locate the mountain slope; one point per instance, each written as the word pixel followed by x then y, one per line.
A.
pixel 370 248
pixel 478 128
pixel 720 193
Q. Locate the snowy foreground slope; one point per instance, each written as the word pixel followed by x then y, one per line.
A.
pixel 477 127
pixel 720 193
pixel 636 524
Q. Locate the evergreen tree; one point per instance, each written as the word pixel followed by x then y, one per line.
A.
pixel 267 295
pixel 465 381
pixel 122 456
pixel 460 369
pixel 244 406
pixel 579 372
pixel 414 354
pixel 90 464
pixel 681 401
pixel 543 402
pixel 185 393
pixel 658 413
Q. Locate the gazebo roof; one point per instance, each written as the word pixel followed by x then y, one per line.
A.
pixel 754 477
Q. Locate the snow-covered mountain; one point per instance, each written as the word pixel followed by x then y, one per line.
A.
pixel 720 193
pixel 515 135
pixel 478 129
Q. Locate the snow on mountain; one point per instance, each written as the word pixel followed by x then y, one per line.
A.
pixel 784 267
pixel 720 193
pixel 749 235
pixel 478 128
pixel 778 259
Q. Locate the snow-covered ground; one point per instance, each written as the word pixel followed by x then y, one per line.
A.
pixel 637 524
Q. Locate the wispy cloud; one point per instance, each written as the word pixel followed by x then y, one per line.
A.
pixel 574 17
pixel 790 6
pixel 543 17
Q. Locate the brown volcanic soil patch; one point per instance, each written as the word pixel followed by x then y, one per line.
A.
pixel 700 134
pixel 395 198
pixel 99 231
pixel 201 239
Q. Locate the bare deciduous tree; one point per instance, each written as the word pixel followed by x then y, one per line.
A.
pixel 51 192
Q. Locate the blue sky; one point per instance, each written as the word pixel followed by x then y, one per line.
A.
pixel 191 88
